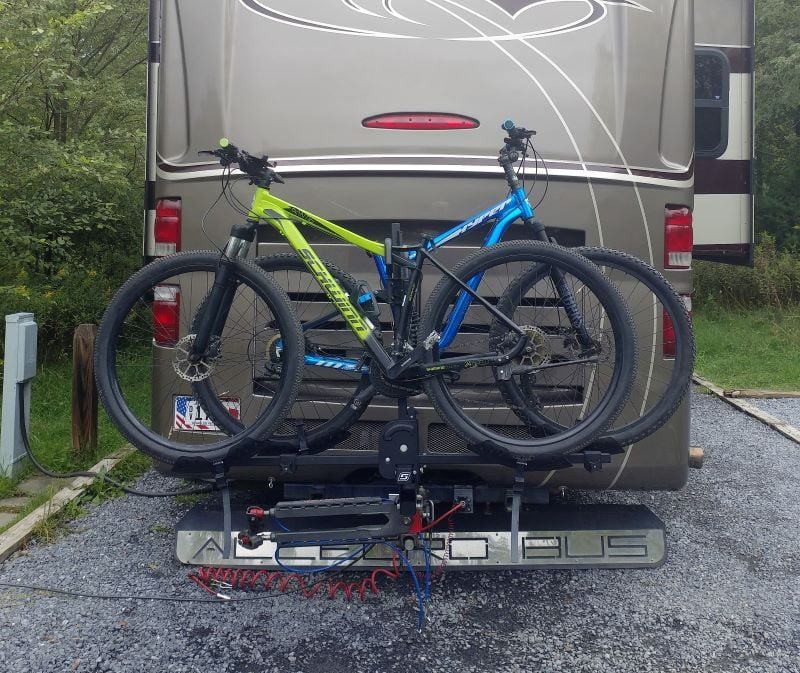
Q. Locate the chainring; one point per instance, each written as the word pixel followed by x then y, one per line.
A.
pixel 394 389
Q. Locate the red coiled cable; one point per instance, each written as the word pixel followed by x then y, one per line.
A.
pixel 244 578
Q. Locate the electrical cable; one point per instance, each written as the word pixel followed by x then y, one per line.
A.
pixel 438 520
pixel 546 177
pixel 415 580
pixel 93 475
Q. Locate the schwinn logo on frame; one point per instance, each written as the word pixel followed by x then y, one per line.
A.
pixel 442 19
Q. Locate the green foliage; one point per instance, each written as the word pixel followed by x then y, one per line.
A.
pixel 773 281
pixel 778 120
pixel 72 99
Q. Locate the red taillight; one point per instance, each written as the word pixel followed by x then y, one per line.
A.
pixel 166 314
pixel 420 121
pixel 167 230
pixel 678 237
pixel 668 329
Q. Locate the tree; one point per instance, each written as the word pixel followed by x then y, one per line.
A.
pixel 778 119
pixel 72 108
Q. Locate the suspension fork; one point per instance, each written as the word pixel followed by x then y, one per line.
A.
pixel 220 299
pixel 564 291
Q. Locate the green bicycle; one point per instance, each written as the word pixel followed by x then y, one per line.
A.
pixel 243 348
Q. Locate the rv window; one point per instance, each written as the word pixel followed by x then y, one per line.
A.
pixel 711 93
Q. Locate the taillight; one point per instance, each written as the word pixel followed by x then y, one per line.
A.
pixel 669 346
pixel 420 121
pixel 678 237
pixel 167 229
pixel 166 314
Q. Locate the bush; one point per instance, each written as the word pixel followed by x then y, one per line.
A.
pixel 773 281
pixel 59 305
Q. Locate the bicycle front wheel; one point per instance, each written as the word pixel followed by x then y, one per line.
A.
pixel 145 373
pixel 335 388
pixel 581 350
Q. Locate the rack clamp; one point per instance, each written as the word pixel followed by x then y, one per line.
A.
pixel 222 485
pixel 597 454
pixel 516 506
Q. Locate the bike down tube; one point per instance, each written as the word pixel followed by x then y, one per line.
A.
pixel 459 311
pixel 263 201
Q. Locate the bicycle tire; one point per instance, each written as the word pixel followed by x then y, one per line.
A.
pixel 321 436
pixel 534 449
pixel 193 458
pixel 685 347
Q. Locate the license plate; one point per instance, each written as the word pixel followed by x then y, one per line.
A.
pixel 189 415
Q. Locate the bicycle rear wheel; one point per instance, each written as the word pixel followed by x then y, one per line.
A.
pixel 144 374
pixel 664 333
pixel 335 388
pixel 583 378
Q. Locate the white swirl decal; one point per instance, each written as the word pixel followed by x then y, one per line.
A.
pixel 411 19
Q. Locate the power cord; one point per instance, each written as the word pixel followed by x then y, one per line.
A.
pixel 93 475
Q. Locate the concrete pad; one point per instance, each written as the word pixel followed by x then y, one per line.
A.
pixel 6 518
pixel 17 502
pixel 39 484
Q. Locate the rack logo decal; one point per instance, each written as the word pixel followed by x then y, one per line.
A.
pixel 442 20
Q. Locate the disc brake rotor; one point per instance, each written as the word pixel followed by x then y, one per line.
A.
pixel 194 371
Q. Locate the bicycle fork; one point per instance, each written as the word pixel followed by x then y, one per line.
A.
pixel 562 288
pixel 220 299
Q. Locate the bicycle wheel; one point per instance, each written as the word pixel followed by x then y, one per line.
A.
pixel 584 370
pixel 331 397
pixel 666 357
pixel 144 376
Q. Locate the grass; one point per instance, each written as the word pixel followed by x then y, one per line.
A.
pixel 753 349
pixel 50 429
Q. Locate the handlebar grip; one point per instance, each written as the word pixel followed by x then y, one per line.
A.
pixel 507 125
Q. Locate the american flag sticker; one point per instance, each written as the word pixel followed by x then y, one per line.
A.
pixel 189 415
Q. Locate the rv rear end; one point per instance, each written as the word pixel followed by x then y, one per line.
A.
pixel 607 85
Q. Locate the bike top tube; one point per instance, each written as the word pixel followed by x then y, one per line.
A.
pixel 266 206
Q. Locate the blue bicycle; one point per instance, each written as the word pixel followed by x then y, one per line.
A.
pixel 577 365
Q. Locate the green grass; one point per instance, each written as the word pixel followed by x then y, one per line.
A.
pixel 50 430
pixel 754 349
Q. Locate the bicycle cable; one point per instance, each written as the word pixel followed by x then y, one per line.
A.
pixel 208 212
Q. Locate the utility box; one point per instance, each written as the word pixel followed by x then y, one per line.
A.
pixel 19 368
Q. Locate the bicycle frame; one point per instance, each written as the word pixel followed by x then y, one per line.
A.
pixel 282 215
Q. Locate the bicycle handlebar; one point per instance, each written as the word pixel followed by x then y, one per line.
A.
pixel 258 169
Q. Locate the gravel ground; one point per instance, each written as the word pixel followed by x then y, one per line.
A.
pixel 726 600
pixel 787 409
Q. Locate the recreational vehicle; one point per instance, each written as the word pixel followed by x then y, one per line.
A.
pixel 389 111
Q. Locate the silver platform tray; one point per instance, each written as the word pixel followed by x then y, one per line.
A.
pixel 551 536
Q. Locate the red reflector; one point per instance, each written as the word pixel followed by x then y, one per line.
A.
pixel 669 340
pixel 167 229
pixel 166 314
pixel 678 237
pixel 420 121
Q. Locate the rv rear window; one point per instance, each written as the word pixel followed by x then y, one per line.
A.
pixel 711 99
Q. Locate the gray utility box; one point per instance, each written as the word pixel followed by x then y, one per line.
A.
pixel 20 367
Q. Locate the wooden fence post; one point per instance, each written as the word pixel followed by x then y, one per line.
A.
pixel 84 391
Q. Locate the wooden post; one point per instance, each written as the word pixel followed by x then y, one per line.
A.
pixel 84 391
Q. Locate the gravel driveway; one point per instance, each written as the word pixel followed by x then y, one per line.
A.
pixel 787 409
pixel 728 598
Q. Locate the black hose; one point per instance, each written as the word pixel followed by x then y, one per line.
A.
pixel 93 475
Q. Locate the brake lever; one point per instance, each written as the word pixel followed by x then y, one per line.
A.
pixel 277 178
